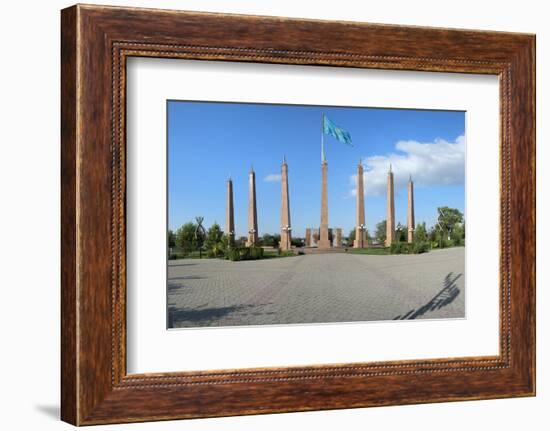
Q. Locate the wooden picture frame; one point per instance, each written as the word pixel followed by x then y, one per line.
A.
pixel 95 43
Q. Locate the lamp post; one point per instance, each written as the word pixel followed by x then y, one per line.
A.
pixel 287 229
pixel 251 232
pixel 361 230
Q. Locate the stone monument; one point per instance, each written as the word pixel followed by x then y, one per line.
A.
pixel 324 241
pixel 410 212
pixel 229 214
pixel 286 228
pixel 252 238
pixel 390 217
pixel 360 229
pixel 338 238
pixel 308 237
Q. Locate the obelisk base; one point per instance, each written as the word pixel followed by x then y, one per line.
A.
pixel 324 240
pixel 338 237
pixel 357 243
pixel 285 243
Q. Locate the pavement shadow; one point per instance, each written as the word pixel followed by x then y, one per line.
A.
pixel 443 298
pixel 187 277
pixel 181 264
pixel 182 317
pixel 174 283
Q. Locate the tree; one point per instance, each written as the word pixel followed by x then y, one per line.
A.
pixel 400 233
pixel 433 233
pixel 448 218
pixel 380 233
pixel 171 238
pixel 185 237
pixel 437 235
pixel 213 236
pixel 458 234
pixel 225 242
pixel 271 240
pixel 297 242
pixel 351 237
pixel 421 234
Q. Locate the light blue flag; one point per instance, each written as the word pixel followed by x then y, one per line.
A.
pixel 329 128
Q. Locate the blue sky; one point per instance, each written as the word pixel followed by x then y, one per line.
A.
pixel 207 142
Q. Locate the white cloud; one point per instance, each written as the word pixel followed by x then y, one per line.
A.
pixel 438 163
pixel 272 178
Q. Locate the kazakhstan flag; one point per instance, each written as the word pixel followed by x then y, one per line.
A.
pixel 329 128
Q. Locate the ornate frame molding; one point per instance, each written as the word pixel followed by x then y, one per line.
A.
pixel 96 41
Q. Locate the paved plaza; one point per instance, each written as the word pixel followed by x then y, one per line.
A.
pixel 315 288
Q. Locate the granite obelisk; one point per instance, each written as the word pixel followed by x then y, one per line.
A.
pixel 410 212
pixel 338 237
pixel 324 241
pixel 360 229
pixel 230 213
pixel 390 214
pixel 286 228
pixel 252 213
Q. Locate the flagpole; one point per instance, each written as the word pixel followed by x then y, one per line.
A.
pixel 323 137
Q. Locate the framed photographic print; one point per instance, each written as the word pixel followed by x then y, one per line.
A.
pixel 267 215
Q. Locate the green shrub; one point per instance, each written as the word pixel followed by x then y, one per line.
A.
pixel 217 250
pixel 447 243
pixel 458 241
pixel 399 248
pixel 255 253
pixel 244 253
pixel 406 248
pixel 233 254
pixel 174 256
pixel 420 247
pixel 442 244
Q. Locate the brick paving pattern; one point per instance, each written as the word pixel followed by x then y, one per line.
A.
pixel 317 288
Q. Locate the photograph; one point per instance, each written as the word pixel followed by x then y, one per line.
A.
pixel 284 214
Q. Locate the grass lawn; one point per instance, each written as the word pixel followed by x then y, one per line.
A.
pixel 269 254
pixel 370 250
pixel 378 251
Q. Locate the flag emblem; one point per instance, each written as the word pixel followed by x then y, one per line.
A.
pixel 329 128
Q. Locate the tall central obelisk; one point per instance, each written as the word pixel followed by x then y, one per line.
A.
pixel 324 241
pixel 230 214
pixel 390 218
pixel 360 229
pixel 286 228
pixel 252 213
pixel 410 213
